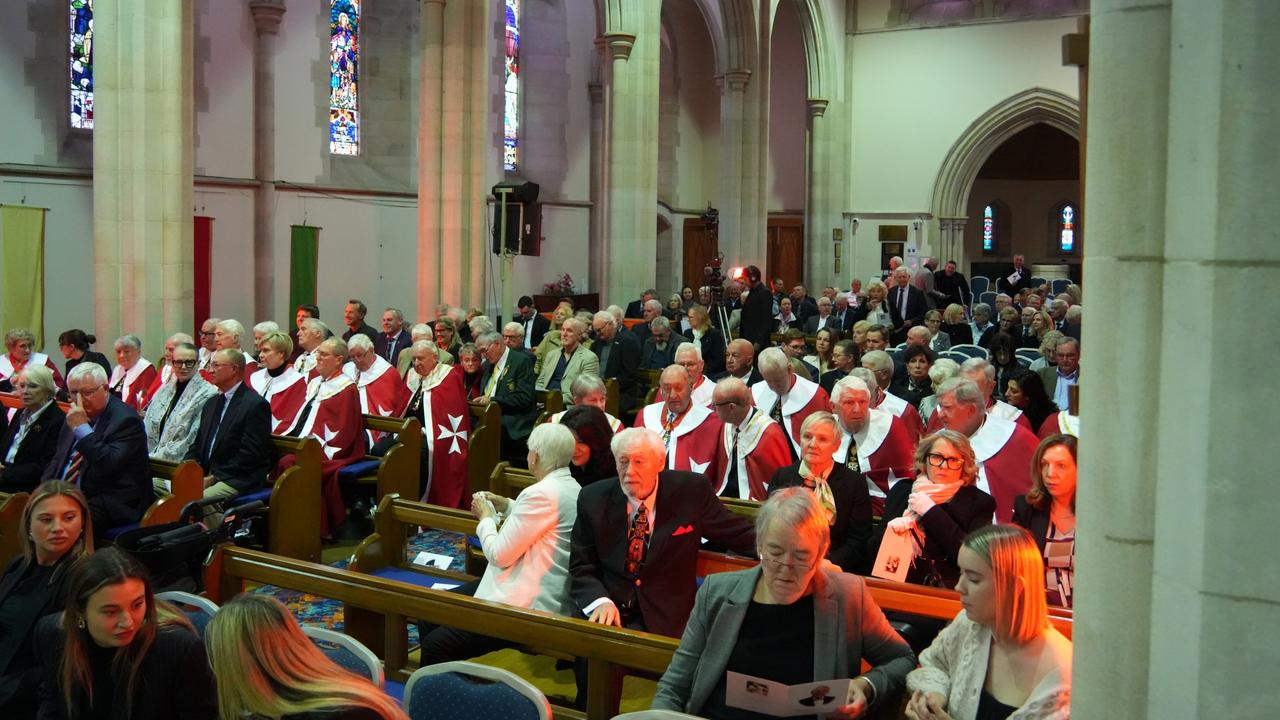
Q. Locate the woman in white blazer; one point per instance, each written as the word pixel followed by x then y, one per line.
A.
pixel 526 542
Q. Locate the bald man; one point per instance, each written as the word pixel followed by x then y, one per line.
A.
pixel 689 432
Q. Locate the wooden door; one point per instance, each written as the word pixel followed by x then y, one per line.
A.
pixel 786 251
pixel 699 249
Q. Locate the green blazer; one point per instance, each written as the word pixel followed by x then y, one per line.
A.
pixel 514 394
pixel 582 361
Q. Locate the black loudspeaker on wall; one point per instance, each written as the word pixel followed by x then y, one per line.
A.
pixel 524 218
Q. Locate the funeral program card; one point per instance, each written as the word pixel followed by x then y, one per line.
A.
pixel 772 698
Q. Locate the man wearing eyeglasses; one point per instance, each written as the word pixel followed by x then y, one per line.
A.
pixel 173 413
pixel 881 445
pixel 208 336
pixel 103 450
pixel 1002 448
pixel 690 433
pixel 752 447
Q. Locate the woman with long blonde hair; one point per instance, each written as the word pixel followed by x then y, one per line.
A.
pixel 265 667
pixel 1000 657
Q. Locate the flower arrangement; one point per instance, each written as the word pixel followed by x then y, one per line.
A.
pixel 562 285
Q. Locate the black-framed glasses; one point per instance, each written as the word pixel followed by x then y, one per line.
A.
pixel 185 363
pixel 937 460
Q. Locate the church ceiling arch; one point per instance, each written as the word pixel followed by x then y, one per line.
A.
pixel 819 66
pixel 990 130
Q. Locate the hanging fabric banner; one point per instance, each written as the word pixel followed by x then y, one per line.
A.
pixel 304 259
pixel 22 269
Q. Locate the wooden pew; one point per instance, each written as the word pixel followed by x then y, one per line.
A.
pixel 611 396
pixel 11 507
pixel 649 379
pixel 293 520
pixel 602 646
pixel 550 402
pixel 485 447
pixel 396 471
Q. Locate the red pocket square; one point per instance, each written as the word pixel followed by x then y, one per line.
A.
pixel 682 530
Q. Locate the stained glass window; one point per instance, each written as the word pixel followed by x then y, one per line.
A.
pixel 81 48
pixel 988 229
pixel 511 91
pixel 344 65
pixel 1067 229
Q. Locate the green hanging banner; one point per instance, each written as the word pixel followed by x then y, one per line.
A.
pixel 304 259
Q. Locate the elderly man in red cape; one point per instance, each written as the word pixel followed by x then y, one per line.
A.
pixel 752 447
pixel 1003 449
pixel 277 382
pixel 133 373
pixel 689 432
pixel 382 392
pixel 230 335
pixel 688 355
pixel 785 396
pixel 983 374
pixel 880 364
pixel 439 401
pixel 882 445
pixel 331 414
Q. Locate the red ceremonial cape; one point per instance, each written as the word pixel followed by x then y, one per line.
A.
pixel 8 370
pixel 762 449
pixel 693 440
pixel 1060 422
pixel 286 393
pixel 381 390
pixel 133 384
pixel 886 455
pixel 335 421
pixel 804 399
pixel 905 410
pixel 700 395
pixel 1003 450
pixel 447 431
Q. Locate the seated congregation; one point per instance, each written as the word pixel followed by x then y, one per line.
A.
pixel 749 421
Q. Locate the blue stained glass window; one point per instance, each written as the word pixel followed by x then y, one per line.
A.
pixel 344 65
pixel 511 90
pixel 1067 229
pixel 988 229
pixel 81 50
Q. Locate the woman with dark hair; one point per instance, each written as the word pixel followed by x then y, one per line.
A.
pixel 592 459
pixel 469 360
pixel 916 386
pixel 1048 512
pixel 75 348
pixel 113 653
pixel 1004 359
pixel 824 343
pixel 55 532
pixel 1025 391
pixel 267 668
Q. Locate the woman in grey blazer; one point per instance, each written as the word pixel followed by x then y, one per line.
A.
pixel 790 620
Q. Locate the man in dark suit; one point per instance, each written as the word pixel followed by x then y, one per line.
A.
pixel 842 491
pixel 508 380
pixel 233 444
pixel 1017 279
pixel 823 319
pixel 30 440
pixel 634 548
pixel 651 311
pixel 535 326
pixel 103 448
pixel 394 338
pixel 951 286
pixel 635 308
pixel 739 362
pixel 619 355
pixel 842 313
pixel 802 304
pixel 906 304
pixel 659 348
pixel 757 312
pixel 353 316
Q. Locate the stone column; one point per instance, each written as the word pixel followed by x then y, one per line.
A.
pixel 733 150
pixel 142 173
pixel 430 81
pixel 266 23
pixel 595 241
pixel 1215 586
pixel 817 234
pixel 1128 128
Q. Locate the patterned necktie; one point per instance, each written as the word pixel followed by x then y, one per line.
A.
pixel 825 498
pixel 72 475
pixel 637 540
pixel 672 421
pixel 776 413
pixel 851 460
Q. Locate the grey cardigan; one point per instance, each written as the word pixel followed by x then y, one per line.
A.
pixel 848 626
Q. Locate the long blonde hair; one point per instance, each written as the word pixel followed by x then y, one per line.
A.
pixel 265 666
pixel 83 546
pixel 1017 572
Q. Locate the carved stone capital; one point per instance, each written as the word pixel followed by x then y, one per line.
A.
pixel 266 15
pixel 734 80
pixel 619 44
pixel 817 106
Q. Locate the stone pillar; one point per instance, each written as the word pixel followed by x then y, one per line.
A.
pixel 818 260
pixel 266 23
pixel 1215 586
pixel 631 181
pixel 734 149
pixel 1127 126
pixel 142 173
pixel 454 149
pixel 595 241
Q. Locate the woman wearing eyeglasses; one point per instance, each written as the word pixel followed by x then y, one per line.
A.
pixel 790 620
pixel 940 508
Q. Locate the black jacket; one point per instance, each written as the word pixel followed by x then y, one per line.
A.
pixel 712 347
pixel 116 474
pixel 365 329
pixel 242 454
pixel 18 676
pixel 916 308
pixel 686 510
pixel 945 527
pixel 757 321
pixel 955 287
pixel 852 529
pixel 174 681
pixel 536 330
pixel 1035 520
pixel 624 359
pixel 391 354
pixel 37 449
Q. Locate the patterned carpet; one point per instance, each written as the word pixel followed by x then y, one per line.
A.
pixel 558 685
